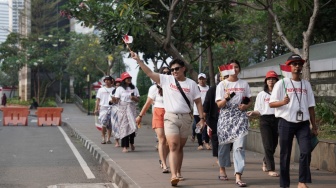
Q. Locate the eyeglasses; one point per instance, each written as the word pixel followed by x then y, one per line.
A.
pixel 166 72
pixel 300 64
pixel 175 69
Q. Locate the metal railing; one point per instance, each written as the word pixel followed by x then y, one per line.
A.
pixel 77 99
pixel 58 99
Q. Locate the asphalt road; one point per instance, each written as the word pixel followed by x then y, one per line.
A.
pixel 34 157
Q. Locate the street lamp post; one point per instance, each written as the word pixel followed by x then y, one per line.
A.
pixel 88 81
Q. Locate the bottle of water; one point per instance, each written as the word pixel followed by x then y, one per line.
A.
pixel 198 129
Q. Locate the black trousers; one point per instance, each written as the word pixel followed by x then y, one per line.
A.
pixel 269 136
pixel 127 140
pixel 287 131
pixel 212 123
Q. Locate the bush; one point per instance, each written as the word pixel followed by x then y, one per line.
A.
pixel 142 102
pixel 92 104
pixel 17 101
pixel 49 102
pixel 325 112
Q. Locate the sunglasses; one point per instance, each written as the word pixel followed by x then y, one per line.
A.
pixel 175 69
pixel 166 72
pixel 297 64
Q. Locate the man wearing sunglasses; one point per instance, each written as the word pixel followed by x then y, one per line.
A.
pixel 293 100
pixel 177 118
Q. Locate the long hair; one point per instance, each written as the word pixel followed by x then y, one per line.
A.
pixel 266 89
pixel 124 85
pixel 157 85
pixel 235 61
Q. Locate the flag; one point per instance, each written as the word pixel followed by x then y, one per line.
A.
pixel 226 70
pixel 128 39
pixel 286 71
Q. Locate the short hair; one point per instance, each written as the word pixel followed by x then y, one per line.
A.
pixel 180 62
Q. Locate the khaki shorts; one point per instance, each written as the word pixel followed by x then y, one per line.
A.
pixel 158 116
pixel 177 124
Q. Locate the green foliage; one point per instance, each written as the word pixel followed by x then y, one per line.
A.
pixel 92 104
pixel 49 102
pixel 143 83
pixel 327 131
pixel 160 29
pixel 17 101
pixel 142 102
pixel 326 112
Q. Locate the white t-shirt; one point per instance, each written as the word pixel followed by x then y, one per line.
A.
pixel 289 111
pixel 262 104
pixel 203 91
pixel 125 95
pixel 153 93
pixel 240 87
pixel 104 94
pixel 172 97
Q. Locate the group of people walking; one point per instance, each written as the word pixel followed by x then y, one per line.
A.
pixel 181 107
pixel 116 105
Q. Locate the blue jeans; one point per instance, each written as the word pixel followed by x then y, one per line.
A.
pixel 238 155
pixel 301 130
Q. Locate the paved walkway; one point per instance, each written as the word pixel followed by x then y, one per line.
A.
pixel 141 167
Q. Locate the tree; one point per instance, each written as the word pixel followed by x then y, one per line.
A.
pixel 300 5
pixel 170 25
pixel 11 60
pixel 143 82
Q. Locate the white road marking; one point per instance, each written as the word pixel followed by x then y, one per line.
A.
pixel 80 159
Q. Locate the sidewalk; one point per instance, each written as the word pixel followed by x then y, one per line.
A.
pixel 141 167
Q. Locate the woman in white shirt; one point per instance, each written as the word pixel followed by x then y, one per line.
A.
pixel 155 97
pixel 127 95
pixel 268 123
pixel 233 98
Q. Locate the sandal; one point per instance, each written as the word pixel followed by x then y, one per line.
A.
pixel 223 178
pixel 174 181
pixel 273 174
pixel 181 178
pixel 165 171
pixel 160 162
pixel 241 184
pixel 103 142
pixel 125 150
pixel 207 146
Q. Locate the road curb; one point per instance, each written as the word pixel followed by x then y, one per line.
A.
pixel 115 173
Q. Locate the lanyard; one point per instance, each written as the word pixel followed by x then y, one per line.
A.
pixel 297 94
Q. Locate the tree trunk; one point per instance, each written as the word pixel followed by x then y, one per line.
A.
pixel 211 67
pixel 45 91
pixel 270 33
pixel 306 38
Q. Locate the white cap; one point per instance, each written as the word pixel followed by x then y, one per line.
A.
pixel 201 75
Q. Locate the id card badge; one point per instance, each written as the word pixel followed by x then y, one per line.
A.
pixel 299 115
